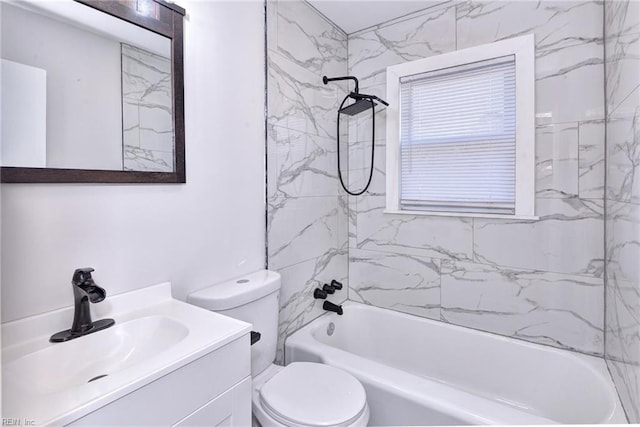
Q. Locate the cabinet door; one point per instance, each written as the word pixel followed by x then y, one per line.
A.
pixel 231 408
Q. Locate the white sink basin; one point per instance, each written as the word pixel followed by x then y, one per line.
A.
pixel 81 360
pixel 153 335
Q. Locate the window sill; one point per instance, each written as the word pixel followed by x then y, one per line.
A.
pixel 464 215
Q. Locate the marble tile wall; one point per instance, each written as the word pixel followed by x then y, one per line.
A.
pixel 622 198
pixel 540 281
pixel 147 122
pixel 307 213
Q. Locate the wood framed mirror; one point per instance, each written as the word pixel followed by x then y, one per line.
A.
pixel 122 121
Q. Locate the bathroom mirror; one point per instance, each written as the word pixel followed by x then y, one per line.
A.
pixel 92 91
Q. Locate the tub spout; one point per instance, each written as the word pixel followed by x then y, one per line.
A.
pixel 329 306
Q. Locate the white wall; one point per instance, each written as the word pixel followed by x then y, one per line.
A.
pixel 196 234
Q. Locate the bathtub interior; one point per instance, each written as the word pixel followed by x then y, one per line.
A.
pixel 542 381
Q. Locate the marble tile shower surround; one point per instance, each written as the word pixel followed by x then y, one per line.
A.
pixel 622 198
pixel 307 212
pixel 540 281
pixel 622 255
pixel 146 111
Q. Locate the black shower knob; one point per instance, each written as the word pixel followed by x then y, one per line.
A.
pixel 319 294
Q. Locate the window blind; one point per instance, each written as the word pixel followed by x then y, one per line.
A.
pixel 457 138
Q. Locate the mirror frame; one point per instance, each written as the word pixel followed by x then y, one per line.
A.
pixel 162 18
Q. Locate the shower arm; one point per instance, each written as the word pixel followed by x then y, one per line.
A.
pixel 356 92
pixel 326 80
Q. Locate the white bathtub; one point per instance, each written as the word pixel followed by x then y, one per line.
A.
pixel 423 372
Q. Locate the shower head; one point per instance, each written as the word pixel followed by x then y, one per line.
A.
pixel 363 103
pixel 357 107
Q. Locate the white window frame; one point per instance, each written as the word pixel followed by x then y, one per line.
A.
pixel 523 48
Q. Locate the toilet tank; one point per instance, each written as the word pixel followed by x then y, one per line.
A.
pixel 254 299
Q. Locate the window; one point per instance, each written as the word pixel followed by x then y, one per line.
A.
pixel 461 132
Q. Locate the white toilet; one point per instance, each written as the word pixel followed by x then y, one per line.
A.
pixel 300 394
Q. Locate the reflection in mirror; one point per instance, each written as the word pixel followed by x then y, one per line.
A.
pixel 82 89
pixel 146 111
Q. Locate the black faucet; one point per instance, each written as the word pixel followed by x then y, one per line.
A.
pixel 329 306
pixel 85 291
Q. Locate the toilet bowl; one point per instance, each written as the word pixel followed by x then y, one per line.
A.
pixel 301 394
pixel 308 395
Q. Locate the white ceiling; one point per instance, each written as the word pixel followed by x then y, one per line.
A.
pixel 354 15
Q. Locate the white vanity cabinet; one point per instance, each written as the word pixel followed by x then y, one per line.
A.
pixel 163 363
pixel 214 390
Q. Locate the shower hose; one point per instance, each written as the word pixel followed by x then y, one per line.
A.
pixel 373 146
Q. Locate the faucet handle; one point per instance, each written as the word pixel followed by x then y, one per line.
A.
pixel 328 289
pixel 319 293
pixel 337 285
pixel 82 275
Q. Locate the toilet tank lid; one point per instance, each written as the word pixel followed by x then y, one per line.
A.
pixel 236 292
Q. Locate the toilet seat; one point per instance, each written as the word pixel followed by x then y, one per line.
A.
pixel 313 395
